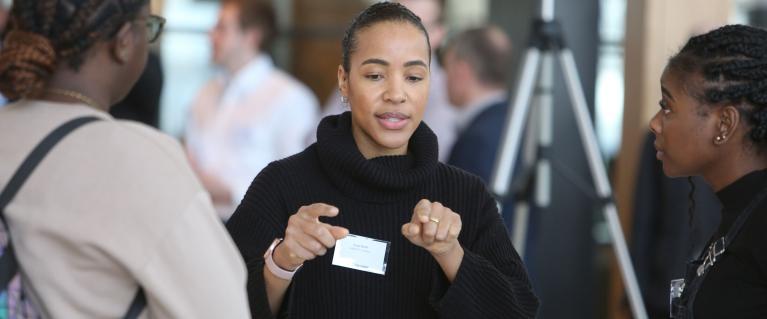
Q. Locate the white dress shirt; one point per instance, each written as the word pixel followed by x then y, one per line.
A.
pixel 241 123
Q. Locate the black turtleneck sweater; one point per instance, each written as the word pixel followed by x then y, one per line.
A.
pixel 736 286
pixel 375 198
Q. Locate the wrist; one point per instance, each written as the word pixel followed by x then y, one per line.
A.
pixel 454 253
pixel 450 261
pixel 273 267
pixel 282 260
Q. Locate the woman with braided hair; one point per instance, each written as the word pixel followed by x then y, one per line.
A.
pixel 713 123
pixel 111 215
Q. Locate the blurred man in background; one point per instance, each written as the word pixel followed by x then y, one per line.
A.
pixel 476 64
pixel 252 113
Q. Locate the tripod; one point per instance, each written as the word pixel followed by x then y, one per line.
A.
pixel 547 42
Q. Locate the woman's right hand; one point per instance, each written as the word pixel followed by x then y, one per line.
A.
pixel 306 237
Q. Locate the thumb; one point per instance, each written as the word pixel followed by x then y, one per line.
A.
pixel 410 230
pixel 338 232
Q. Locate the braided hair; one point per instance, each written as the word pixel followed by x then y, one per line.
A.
pixel 42 34
pixel 732 61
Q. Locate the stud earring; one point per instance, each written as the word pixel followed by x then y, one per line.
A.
pixel 344 100
pixel 719 140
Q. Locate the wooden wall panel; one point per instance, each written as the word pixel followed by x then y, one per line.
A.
pixel 317 30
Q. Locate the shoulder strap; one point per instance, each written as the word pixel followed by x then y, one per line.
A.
pixel 9 266
pixel 34 158
pixel 137 305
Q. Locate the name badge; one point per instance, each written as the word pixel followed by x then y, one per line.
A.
pixel 362 253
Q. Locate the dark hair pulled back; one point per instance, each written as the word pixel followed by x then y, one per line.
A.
pixel 377 13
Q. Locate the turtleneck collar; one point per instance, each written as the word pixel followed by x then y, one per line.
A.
pixel 736 196
pixel 380 179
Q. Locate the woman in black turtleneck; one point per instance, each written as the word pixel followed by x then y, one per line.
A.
pixel 374 173
pixel 713 123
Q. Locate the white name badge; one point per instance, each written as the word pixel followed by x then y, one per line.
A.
pixel 362 253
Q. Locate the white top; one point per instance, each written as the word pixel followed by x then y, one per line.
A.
pixel 440 115
pixel 112 207
pixel 240 124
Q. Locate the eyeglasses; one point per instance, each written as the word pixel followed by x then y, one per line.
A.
pixel 154 25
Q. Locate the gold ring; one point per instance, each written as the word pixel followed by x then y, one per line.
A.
pixel 435 220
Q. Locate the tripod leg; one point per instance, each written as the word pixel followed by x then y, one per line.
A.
pixel 544 104
pixel 512 136
pixel 588 137
pixel 515 120
pixel 538 137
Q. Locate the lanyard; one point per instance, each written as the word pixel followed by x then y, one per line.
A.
pixel 698 269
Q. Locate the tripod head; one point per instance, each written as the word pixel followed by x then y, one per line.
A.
pixel 547 32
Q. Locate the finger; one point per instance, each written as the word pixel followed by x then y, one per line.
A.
pixel 421 211
pixel 294 220
pixel 338 232
pixel 411 230
pixel 443 228
pixel 427 235
pixel 297 252
pixel 320 232
pixel 455 230
pixel 432 223
pixel 310 244
pixel 316 210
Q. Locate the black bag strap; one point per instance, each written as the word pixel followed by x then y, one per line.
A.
pixel 9 266
pixel 695 282
pixel 137 305
pixel 34 158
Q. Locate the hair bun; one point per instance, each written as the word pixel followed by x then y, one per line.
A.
pixel 27 60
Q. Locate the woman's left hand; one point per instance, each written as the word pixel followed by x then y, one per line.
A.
pixel 434 227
